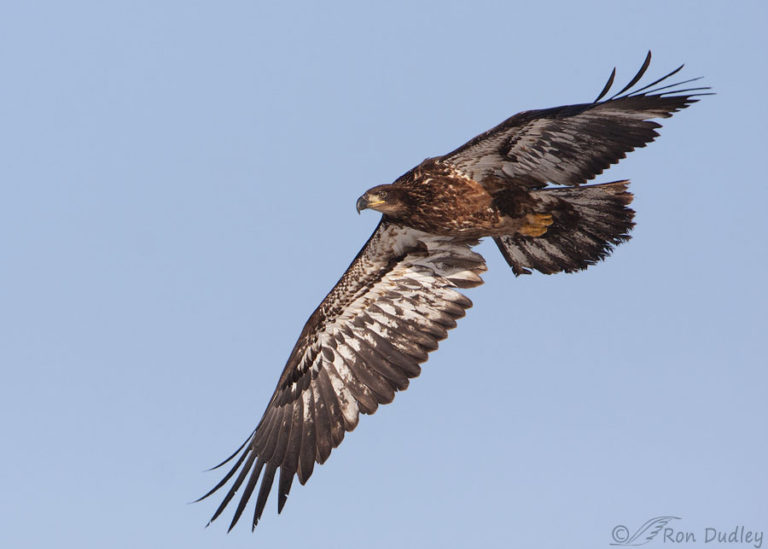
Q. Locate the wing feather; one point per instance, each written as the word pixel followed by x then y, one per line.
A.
pixel 284 434
pixel 290 461
pixel 250 485
pixel 261 499
pixel 308 450
pixel 334 409
pixel 377 386
pixel 323 441
pixel 286 479
pixel 381 364
pixel 366 392
pixel 238 481
pixel 363 344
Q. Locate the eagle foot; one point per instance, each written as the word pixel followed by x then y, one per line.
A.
pixel 535 224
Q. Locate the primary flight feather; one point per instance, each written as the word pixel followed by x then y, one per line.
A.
pixel 519 183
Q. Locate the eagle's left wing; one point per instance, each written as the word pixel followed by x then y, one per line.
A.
pixel 366 339
pixel 570 145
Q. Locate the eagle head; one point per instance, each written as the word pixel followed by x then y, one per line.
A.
pixel 387 199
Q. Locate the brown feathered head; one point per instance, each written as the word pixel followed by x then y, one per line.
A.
pixel 387 199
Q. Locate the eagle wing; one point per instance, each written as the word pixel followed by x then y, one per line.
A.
pixel 395 302
pixel 570 145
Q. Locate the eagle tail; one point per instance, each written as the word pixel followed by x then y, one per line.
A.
pixel 587 223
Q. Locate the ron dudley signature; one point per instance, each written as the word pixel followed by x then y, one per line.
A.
pixel 665 529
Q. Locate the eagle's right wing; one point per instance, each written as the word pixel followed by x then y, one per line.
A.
pixel 366 339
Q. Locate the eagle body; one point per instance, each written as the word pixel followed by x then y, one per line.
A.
pixel 521 183
pixel 436 198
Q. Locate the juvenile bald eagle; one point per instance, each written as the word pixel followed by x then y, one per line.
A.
pixel 518 183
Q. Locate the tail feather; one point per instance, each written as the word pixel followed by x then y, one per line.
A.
pixel 588 222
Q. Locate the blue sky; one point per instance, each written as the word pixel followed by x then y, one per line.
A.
pixel 178 189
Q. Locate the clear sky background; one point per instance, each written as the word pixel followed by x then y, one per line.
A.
pixel 178 186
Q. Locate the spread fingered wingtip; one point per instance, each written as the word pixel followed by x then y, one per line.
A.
pixel 650 89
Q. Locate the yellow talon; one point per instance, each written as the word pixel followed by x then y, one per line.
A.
pixel 535 224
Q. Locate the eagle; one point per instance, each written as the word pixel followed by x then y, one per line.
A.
pixel 520 183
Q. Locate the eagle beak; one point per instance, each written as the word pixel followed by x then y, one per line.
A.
pixel 362 203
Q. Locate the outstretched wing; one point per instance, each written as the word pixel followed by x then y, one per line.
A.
pixel 366 339
pixel 570 145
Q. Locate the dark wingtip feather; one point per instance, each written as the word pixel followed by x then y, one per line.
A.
pixel 637 77
pixel 658 93
pixel 607 86
pixel 284 488
pixel 261 499
pixel 252 480
pixel 233 490
pixel 233 454
pixel 674 72
pixel 666 87
pixel 688 90
pixel 224 480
